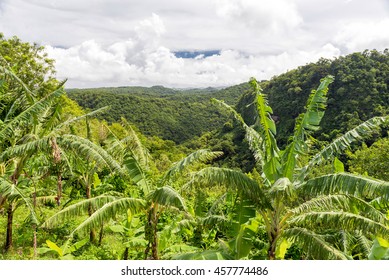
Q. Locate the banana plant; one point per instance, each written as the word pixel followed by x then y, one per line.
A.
pixel 157 195
pixel 65 252
pixel 295 207
pixel 31 124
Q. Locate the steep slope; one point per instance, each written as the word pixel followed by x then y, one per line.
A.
pixel 177 115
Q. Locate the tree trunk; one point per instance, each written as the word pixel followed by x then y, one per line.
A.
pixel 14 178
pixel 35 243
pixel 92 233
pixel 101 234
pixel 59 188
pixel 8 241
pixel 271 253
pixel 125 254
pixel 151 234
pixel 154 246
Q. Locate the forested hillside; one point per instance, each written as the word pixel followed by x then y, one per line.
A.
pixel 176 115
pixel 360 91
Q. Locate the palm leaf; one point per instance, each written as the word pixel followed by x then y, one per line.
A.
pixel 363 243
pixel 253 137
pixel 77 209
pixel 109 211
pixel 214 220
pixel 347 183
pixel 32 111
pixel 136 173
pixel 195 157
pixel 340 219
pixel 232 179
pixel 305 123
pixel 70 121
pixel 7 71
pixel 271 165
pixel 313 244
pixel 13 192
pixel 362 131
pixel 340 202
pixel 166 196
pixel 29 148
pixel 135 145
pixel 88 150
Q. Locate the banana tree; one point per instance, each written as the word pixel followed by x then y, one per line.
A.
pixel 31 125
pixel 157 195
pixel 294 206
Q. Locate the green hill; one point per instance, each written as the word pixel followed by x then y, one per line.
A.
pixel 360 91
pixel 177 115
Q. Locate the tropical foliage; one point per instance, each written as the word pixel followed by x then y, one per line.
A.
pixel 294 206
pixel 76 186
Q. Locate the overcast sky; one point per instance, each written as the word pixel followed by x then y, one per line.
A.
pixel 116 43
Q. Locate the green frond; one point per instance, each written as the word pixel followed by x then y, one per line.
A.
pixel 253 138
pixel 213 220
pixel 343 142
pixel 29 148
pixel 77 209
pixel 340 202
pixel 137 174
pixel 13 192
pixel 363 244
pixel 282 189
pixel 26 116
pixel 270 149
pixel 135 146
pixel 347 183
pixel 73 120
pixel 186 224
pixel 108 211
pixel 305 123
pixel 313 244
pixel 88 150
pixel 263 143
pixel 232 179
pixel 200 156
pixel 7 71
pixel 166 196
pixel 341 220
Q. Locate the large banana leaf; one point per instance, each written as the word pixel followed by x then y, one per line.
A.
pixel 109 211
pixel 232 179
pixel 305 123
pixel 166 196
pixel 313 244
pixel 347 183
pixel 195 157
pixel 336 147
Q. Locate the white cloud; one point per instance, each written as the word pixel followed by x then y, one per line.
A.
pixel 358 36
pixel 144 60
pixel 115 42
pixel 263 16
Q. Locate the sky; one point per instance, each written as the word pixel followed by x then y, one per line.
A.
pixel 198 43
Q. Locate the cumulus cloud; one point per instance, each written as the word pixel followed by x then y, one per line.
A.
pixel 358 36
pixel 115 42
pixel 144 60
pixel 263 16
